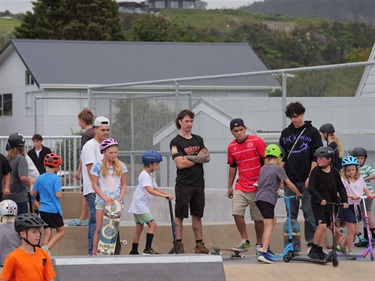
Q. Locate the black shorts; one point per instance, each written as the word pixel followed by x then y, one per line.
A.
pixel 54 220
pixel 266 209
pixel 351 215
pixel 320 216
pixel 189 196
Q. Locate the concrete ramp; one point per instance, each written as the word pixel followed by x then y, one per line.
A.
pixel 153 268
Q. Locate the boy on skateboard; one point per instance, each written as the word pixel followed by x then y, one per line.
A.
pixel 270 177
pixel 142 199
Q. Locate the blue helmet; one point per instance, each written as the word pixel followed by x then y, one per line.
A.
pixel 151 156
pixel 350 160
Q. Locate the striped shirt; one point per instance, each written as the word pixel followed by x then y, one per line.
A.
pixel 365 171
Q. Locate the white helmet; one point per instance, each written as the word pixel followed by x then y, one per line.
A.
pixel 8 208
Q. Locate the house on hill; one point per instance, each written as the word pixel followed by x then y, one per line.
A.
pixel 44 83
pixel 367 85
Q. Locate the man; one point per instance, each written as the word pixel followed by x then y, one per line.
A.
pixel 38 153
pixel 189 153
pixel 245 154
pixel 299 141
pixel 91 154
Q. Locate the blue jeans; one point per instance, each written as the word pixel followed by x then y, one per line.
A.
pixel 22 208
pixel 310 225
pixel 90 199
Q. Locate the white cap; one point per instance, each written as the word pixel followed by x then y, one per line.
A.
pixel 101 121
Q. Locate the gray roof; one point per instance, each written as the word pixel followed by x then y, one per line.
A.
pixel 104 62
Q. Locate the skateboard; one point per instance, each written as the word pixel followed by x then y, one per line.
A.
pixel 109 230
pixel 216 250
pixel 296 235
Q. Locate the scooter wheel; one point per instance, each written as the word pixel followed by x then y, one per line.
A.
pixel 287 258
pixel 372 257
pixel 335 263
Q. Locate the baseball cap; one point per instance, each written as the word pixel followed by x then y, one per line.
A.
pixel 236 122
pixel 101 121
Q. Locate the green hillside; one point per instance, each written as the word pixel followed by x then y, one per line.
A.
pixel 8 24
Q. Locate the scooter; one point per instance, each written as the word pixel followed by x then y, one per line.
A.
pixel 368 249
pixel 332 256
pixel 289 248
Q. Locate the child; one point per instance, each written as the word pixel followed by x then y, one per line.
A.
pixel 367 173
pixel 28 262
pixel 141 203
pixel 270 177
pixel 108 181
pixel 328 134
pixel 355 186
pixel 9 239
pixel 48 186
pixel 324 184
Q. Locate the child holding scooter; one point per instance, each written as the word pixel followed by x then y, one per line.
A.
pixel 270 177
pixel 355 186
pixel 324 184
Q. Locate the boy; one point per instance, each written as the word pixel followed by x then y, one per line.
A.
pixel 142 198
pixel 325 182
pixel 28 262
pixel 270 177
pixel 9 239
pixel 367 173
pixel 48 186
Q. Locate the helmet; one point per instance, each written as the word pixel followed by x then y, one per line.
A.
pixel 151 156
pixel 327 128
pixel 15 140
pixel 274 150
pixel 107 143
pixel 52 160
pixel 359 151
pixel 26 221
pixel 350 160
pixel 8 208
pixel 324 151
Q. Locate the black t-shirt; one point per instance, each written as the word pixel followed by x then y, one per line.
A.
pixel 336 159
pixel 181 146
pixel 5 169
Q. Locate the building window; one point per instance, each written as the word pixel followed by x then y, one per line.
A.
pixel 188 5
pixel 174 4
pixel 29 80
pixel 160 4
pixel 6 105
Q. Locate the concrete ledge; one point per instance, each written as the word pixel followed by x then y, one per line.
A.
pixel 160 267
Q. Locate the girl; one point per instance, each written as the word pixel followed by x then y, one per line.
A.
pixel 355 186
pixel 108 178
pixel 328 134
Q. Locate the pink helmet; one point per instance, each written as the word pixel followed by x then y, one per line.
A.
pixel 107 143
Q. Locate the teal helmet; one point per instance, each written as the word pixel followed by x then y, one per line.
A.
pixel 350 160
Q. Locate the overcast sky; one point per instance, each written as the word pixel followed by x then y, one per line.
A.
pixel 21 6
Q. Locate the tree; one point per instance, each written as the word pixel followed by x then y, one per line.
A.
pixel 154 28
pixel 72 20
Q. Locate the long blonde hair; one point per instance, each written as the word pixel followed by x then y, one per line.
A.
pixel 117 167
pixel 13 152
pixel 340 147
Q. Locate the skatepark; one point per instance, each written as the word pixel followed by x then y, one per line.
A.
pixel 72 263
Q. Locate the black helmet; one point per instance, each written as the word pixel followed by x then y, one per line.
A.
pixel 324 151
pixel 359 151
pixel 26 221
pixel 327 128
pixel 15 140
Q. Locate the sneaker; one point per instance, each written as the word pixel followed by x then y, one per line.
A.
pixel 361 243
pixel 313 254
pixel 321 254
pixel 243 245
pixel 260 249
pixel 201 249
pixel 349 256
pixel 133 253
pixel 265 257
pixel 309 246
pixel 341 250
pixel 46 249
pixel 150 252
pixel 181 249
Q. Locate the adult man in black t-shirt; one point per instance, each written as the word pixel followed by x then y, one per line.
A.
pixel 189 153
